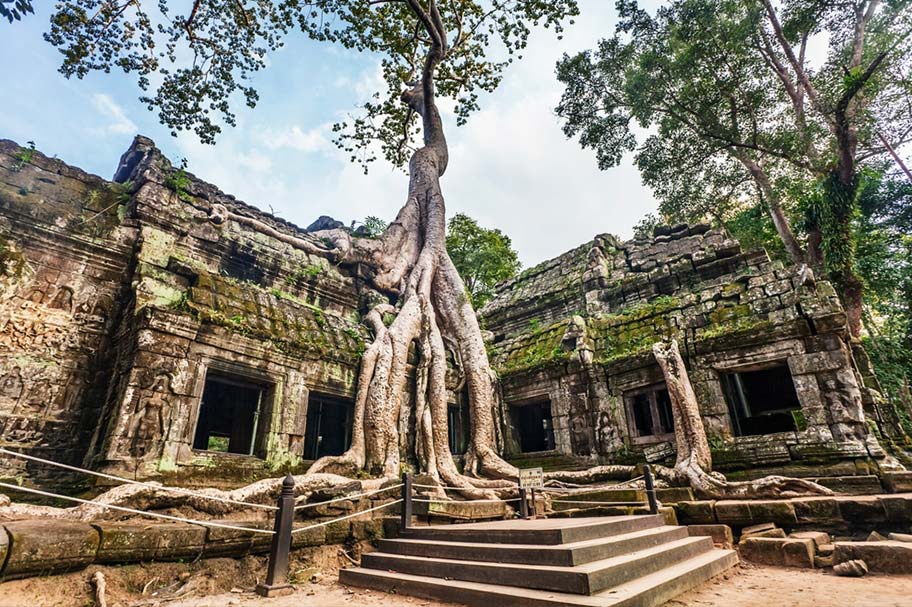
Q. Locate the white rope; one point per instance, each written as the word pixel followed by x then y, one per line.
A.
pixel 159 487
pixel 347 497
pixel 132 511
pixel 515 499
pixel 469 488
pixel 347 516
pixel 560 501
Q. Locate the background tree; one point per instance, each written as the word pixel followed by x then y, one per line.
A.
pixel 483 257
pixel 15 10
pixel 428 49
pixel 736 110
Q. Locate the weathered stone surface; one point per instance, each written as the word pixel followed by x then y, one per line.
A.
pixel 900 537
pixel 696 513
pixel 816 510
pixel 778 552
pixel 720 534
pixel 819 538
pixel 4 546
pixel 855 568
pixel 732 512
pixel 777 533
pixel 880 557
pixel 49 546
pixel 129 542
pixel 781 512
pixel 897 482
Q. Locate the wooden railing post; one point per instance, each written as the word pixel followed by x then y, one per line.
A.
pixel 276 583
pixel 406 511
pixel 650 490
pixel 523 503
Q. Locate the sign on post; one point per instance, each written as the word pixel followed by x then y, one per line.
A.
pixel 531 478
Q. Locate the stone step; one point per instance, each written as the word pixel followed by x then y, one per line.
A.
pixel 574 500
pixel 540 531
pixel 589 578
pixel 647 591
pixel 561 555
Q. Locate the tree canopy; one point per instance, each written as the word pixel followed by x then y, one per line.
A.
pixel 483 256
pixel 736 110
pixel 205 54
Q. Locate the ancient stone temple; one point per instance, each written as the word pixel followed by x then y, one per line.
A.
pixel 778 383
pixel 141 333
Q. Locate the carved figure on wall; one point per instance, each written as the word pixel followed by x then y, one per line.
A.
pixel 579 426
pixel 10 389
pixel 62 300
pixel 147 424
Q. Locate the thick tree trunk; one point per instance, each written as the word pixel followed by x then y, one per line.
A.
pixel 432 310
pixel 694 460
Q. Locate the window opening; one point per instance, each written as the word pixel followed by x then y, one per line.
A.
pixel 229 414
pixel 329 426
pixel 534 425
pixel 649 412
pixel 762 401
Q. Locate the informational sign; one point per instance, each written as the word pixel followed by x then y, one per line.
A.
pixel 658 453
pixel 531 478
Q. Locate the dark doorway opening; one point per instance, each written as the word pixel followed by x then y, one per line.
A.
pixel 329 426
pixel 534 425
pixel 762 401
pixel 229 414
pixel 649 412
pixel 458 428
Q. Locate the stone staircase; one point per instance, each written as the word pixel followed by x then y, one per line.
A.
pixel 629 561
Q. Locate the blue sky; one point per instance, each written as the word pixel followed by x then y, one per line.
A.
pixel 511 167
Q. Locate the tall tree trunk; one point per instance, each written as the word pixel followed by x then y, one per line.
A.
pixel 433 308
pixel 774 204
pixel 694 461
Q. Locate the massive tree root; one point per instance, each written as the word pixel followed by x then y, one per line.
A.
pixel 410 266
pixel 150 498
pixel 432 309
pixel 694 461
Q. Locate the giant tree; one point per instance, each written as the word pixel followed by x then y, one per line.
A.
pixel 736 107
pixel 203 55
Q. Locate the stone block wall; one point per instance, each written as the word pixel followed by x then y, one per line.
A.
pixel 730 311
pixel 65 262
pixel 118 297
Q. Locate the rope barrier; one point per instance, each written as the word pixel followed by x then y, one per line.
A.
pixel 559 501
pixel 347 516
pixel 133 511
pixel 347 497
pixel 470 488
pixel 515 499
pixel 128 481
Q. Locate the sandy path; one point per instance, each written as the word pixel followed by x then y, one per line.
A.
pixel 226 582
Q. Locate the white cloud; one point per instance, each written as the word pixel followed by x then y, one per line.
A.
pixel 119 123
pixel 295 138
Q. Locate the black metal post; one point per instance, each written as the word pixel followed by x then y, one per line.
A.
pixel 523 504
pixel 650 490
pixel 406 509
pixel 277 575
pixel 534 509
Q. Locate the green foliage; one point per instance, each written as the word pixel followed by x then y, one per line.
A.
pixel 482 256
pixel 15 10
pixel 642 230
pixel 738 123
pixel 24 156
pixel 884 261
pixel 304 274
pixel 203 58
pixel 178 181
pixel 373 227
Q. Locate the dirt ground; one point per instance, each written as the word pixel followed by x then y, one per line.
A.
pixel 229 582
